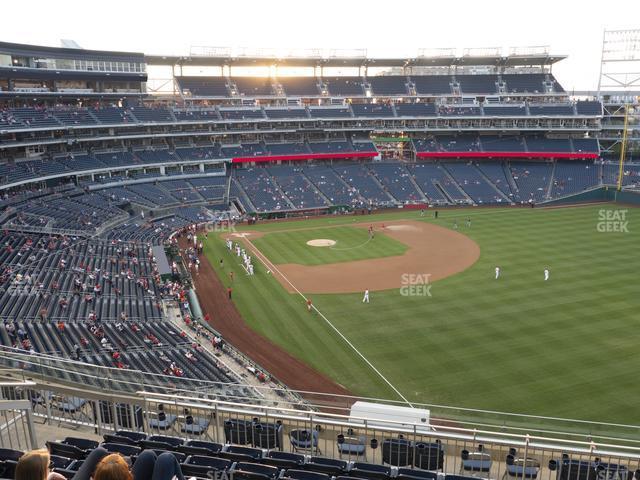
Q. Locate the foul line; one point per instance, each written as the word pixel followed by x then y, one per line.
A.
pixel 272 267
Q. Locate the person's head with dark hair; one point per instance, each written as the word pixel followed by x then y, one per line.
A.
pixel 113 467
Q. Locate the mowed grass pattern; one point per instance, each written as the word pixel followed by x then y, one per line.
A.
pixel 567 348
pixel 352 243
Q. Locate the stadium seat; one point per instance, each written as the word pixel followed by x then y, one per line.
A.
pixel 370 471
pixel 213 462
pixel 397 452
pixel 238 431
pixel 247 470
pixel 284 460
pixel 303 439
pixel 173 441
pixel 135 436
pixel 212 447
pixel 305 475
pixel 163 421
pixel 155 445
pixel 415 474
pixel 110 438
pixel 267 435
pixel 475 461
pixel 521 467
pixel 124 449
pixel 63 450
pixel 81 443
pixel 330 466
pixel 351 444
pixel 240 453
pixel 429 456
pixel 194 425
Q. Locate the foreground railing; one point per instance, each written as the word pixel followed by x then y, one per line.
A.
pixel 17 429
pixel 449 448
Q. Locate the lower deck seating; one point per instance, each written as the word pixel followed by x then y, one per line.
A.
pixel 532 180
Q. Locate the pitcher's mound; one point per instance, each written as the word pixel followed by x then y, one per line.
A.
pixel 321 242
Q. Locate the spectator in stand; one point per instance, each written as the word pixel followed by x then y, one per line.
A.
pixel 61 327
pixel 112 467
pixel 11 331
pixel 35 465
pixel 150 466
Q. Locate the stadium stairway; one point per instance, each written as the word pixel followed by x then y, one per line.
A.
pixel 455 184
pixel 498 191
pixel 284 196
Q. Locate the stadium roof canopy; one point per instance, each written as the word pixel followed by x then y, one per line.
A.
pixel 23 50
pixel 435 61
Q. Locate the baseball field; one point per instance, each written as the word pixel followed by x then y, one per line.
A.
pixel 440 328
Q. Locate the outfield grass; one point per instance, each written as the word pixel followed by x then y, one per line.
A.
pixel 352 243
pixel 567 348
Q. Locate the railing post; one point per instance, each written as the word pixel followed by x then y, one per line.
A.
pixel 98 410
pixel 47 404
pixel 114 413
pixel 33 439
pixel 527 439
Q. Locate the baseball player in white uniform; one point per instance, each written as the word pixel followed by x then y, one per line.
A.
pixel 546 274
pixel 497 272
pixel 365 299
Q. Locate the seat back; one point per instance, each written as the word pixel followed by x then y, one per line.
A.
pixel 122 448
pixel 304 475
pixel 173 441
pixel 81 443
pixel 397 452
pixel 429 456
pixel 265 470
pixel 213 462
pixel 64 450
pixel 110 438
pixel 10 454
pixel 211 446
pixel 412 474
pixel 136 436
pixel 238 431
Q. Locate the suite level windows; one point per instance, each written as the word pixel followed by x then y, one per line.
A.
pixel 79 64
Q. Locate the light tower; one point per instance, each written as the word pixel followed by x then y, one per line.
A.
pixel 619 89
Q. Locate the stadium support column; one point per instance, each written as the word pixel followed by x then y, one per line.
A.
pixel 623 147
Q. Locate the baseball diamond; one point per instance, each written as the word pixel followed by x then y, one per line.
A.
pixel 308 261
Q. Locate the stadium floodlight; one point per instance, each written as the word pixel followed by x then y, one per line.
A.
pixel 436 52
pixel 529 51
pixel 482 52
pixel 347 53
pixel 284 53
pixel 620 61
pixel 206 51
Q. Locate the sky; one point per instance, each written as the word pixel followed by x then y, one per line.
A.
pixel 383 28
